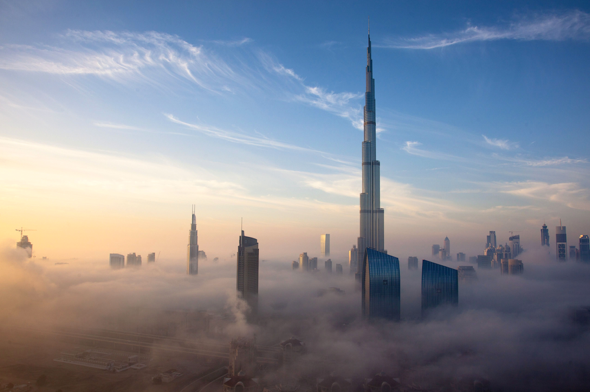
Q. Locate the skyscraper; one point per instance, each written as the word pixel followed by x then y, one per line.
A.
pixel 412 263
pixel 380 286
pixel 511 267
pixel 25 244
pixel 435 250
pixel 573 252
pixel 192 262
pixel 584 248
pixel 440 285
pixel 514 242
pixel 371 213
pixel 116 261
pixel 313 264
pixel 353 259
pixel 303 262
pixel 328 266
pixel 544 235
pixel 447 248
pixel 247 274
pixel 491 240
pixel 560 242
pixel 325 245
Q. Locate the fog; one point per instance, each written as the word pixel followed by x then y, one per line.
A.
pixel 527 332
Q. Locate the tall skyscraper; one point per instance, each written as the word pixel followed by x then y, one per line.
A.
pixel 440 285
pixel 353 259
pixel 313 264
pixel 460 256
pixel 544 235
pixel 412 263
pixel 371 213
pixel 328 266
pixel 573 252
pixel 247 274
pixel 325 245
pixel 116 261
pixel 380 286
pixel 491 240
pixel 303 262
pixel 511 267
pixel 151 257
pixel 192 262
pixel 585 249
pixel 560 242
pixel 447 248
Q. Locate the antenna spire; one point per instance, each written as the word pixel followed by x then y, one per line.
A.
pixel 369 25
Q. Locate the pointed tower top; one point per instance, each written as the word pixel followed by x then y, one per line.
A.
pixel 369 25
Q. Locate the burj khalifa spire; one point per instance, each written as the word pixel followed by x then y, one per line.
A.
pixel 371 222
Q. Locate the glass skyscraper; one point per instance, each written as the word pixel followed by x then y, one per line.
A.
pixel 440 285
pixel 380 286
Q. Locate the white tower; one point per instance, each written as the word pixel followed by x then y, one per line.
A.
pixel 371 219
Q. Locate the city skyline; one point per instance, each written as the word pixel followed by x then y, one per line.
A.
pixel 452 164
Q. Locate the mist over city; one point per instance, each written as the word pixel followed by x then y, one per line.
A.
pixel 294 197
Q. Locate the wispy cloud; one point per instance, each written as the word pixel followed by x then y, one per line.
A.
pixel 238 138
pixel 500 143
pixel 412 148
pixel 542 162
pixel 570 194
pixel 238 42
pixel 574 25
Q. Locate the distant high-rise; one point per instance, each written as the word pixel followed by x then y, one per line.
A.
pixel 25 244
pixel 514 242
pixel 585 249
pixel 295 265
pixel 303 262
pixel 573 252
pixel 460 256
pixel 353 259
pixel 511 267
pixel 491 240
pixel 442 254
pixel 116 261
pixel 466 274
pixel 412 263
pixel 448 248
pixel 380 286
pixel 325 245
pixel 328 266
pixel 371 213
pixel 560 242
pixel 484 262
pixel 338 269
pixel 247 273
pixel 133 260
pixel 313 263
pixel 440 285
pixel 151 257
pixel 435 250
pixel 544 235
pixel 192 263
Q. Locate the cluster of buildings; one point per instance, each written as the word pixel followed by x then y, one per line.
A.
pixel 582 253
pixel 307 264
pixel 117 261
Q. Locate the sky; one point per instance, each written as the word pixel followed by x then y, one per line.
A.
pixel 116 117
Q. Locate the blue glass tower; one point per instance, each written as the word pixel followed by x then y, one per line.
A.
pixel 381 286
pixel 440 285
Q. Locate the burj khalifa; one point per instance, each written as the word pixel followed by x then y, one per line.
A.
pixel 371 222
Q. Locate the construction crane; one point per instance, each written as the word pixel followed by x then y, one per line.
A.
pixel 23 230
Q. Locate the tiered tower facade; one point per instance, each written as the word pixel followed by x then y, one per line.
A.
pixel 371 213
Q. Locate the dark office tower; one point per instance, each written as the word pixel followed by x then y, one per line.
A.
pixel 338 269
pixel 460 256
pixel 560 242
pixel 371 213
pixel 353 260
pixel 585 249
pixel 313 263
pixel 133 260
pixel 247 274
pixel 512 267
pixel 295 265
pixel 328 266
pixel 435 250
pixel 380 286
pixel 491 240
pixel 544 235
pixel 447 249
pixel 412 263
pixel 192 263
pixel 151 257
pixel 440 285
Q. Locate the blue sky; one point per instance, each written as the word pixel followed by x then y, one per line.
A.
pixel 131 112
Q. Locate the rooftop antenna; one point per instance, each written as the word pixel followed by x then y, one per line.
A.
pixel 369 25
pixel 241 224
